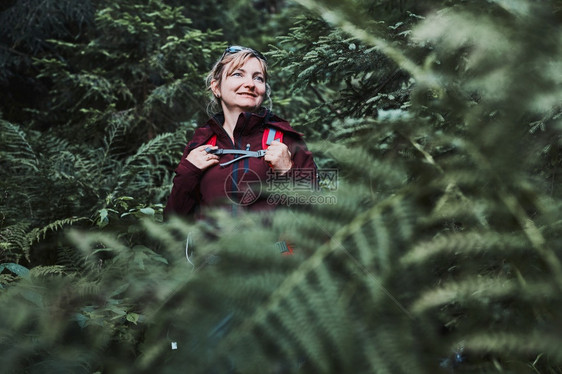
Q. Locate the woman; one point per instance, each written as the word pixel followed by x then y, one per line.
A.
pixel 228 161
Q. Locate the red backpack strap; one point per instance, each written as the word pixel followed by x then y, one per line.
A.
pixel 213 140
pixel 269 135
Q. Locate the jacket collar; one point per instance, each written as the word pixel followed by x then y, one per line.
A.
pixel 248 122
pixel 264 118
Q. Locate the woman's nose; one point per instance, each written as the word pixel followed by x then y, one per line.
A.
pixel 249 82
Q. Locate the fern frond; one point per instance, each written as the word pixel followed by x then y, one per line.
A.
pixel 15 243
pixel 43 271
pixel 119 124
pixel 469 292
pixel 351 161
pixel 37 233
pixel 15 149
pixel 71 259
pixel 503 344
pixel 150 160
pixel 466 244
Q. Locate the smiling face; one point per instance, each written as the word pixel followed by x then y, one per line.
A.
pixel 242 88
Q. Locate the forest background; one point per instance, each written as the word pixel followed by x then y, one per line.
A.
pixel 442 254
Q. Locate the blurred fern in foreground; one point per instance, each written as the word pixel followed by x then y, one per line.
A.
pixel 442 253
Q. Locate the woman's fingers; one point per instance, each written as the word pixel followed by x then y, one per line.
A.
pixel 201 158
pixel 278 157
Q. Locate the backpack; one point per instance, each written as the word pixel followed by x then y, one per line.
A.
pixel 270 134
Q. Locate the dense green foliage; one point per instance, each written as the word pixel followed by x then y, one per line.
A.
pixel 442 253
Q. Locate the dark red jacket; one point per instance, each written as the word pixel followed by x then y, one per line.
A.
pixel 243 184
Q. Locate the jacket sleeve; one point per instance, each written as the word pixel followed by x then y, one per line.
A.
pixel 304 170
pixel 185 190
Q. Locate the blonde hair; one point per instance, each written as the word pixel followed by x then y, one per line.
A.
pixel 237 59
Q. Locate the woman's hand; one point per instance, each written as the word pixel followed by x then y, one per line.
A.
pixel 277 155
pixel 201 158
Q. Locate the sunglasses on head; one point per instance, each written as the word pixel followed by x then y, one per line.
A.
pixel 236 48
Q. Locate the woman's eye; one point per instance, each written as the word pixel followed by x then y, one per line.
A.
pixel 235 74
pixel 259 79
